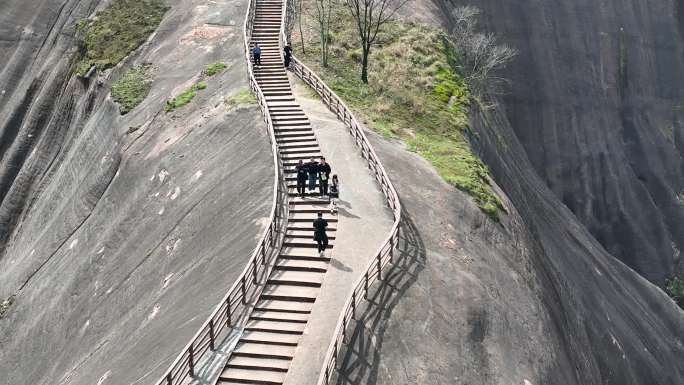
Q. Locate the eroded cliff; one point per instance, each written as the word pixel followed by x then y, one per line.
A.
pixel 121 233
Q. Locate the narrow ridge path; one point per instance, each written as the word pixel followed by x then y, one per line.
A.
pixel 264 352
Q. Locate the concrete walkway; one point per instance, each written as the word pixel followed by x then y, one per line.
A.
pixel 364 223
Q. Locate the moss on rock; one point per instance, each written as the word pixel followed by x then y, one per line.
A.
pixel 214 68
pixel 132 88
pixel 185 97
pixel 117 31
pixel 242 96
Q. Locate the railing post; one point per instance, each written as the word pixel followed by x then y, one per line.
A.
pixel 244 291
pixel 365 286
pixel 254 269
pixel 191 362
pixel 229 321
pixel 211 334
pixel 379 267
pixel 391 250
pixel 169 379
pixel 344 329
pixel 354 304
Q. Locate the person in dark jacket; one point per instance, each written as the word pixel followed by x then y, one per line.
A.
pixel 334 194
pixel 288 55
pixel 323 176
pixel 256 54
pixel 312 171
pixel 302 175
pixel 320 236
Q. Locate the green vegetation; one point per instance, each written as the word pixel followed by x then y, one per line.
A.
pixel 242 96
pixel 414 94
pixel 132 88
pixel 185 97
pixel 214 68
pixel 675 288
pixel 116 32
pixel 5 305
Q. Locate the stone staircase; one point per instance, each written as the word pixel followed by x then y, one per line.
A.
pixel 269 342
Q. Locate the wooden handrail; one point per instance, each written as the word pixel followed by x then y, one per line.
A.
pixel 232 309
pixel 385 252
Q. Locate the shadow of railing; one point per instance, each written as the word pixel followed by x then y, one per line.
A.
pixel 361 353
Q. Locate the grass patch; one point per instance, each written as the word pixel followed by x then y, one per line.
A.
pixel 185 97
pixel 414 94
pixel 675 289
pixel 117 31
pixel 132 88
pixel 5 305
pixel 214 68
pixel 242 96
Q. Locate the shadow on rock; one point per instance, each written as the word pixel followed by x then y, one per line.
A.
pixel 360 357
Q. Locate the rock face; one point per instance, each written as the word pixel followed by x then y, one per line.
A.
pixel 535 298
pixel 597 101
pixel 588 150
pixel 119 235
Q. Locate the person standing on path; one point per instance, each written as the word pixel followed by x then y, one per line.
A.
pixel 312 171
pixel 324 174
pixel 256 54
pixel 288 55
pixel 320 235
pixel 302 174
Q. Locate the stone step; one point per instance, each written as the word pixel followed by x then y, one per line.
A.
pixel 290 293
pixel 279 316
pixel 295 278
pixel 287 264
pixel 269 338
pixel 297 236
pixel 284 306
pixel 274 364
pixel 259 377
pixel 275 326
pixel 252 349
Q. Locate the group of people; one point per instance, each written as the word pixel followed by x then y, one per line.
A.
pixel 307 176
pixel 310 173
pixel 256 54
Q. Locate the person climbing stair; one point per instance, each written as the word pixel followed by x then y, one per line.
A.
pixel 334 194
pixel 256 54
pixel 312 172
pixel 323 176
pixel 302 174
pixel 288 55
pixel 320 236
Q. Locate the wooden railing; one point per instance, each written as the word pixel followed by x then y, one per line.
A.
pixel 385 253
pixel 237 303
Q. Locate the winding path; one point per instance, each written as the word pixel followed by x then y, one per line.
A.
pixel 284 320
pixel 271 335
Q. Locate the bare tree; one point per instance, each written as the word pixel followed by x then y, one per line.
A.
pixel 322 14
pixel 481 56
pixel 370 16
pixel 299 5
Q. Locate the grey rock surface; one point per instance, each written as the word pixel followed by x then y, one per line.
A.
pixel 532 300
pixel 120 234
pixel 597 100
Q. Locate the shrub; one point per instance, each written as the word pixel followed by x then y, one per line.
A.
pixel 132 88
pixel 116 32
pixel 240 97
pixel 5 305
pixel 185 97
pixel 214 68
pixel 675 288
